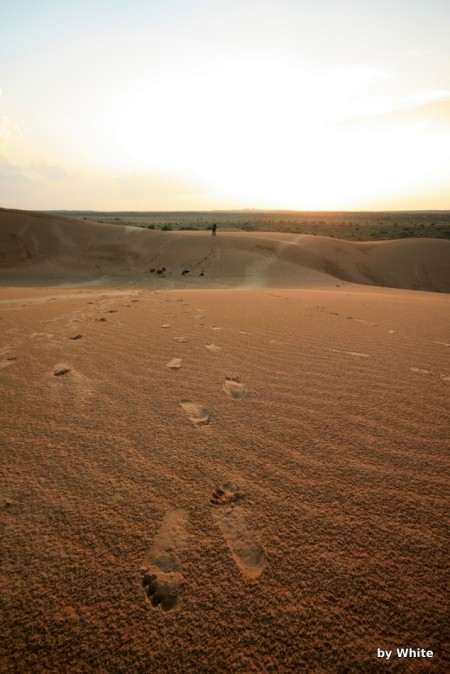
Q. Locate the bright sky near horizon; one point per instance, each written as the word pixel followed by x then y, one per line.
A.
pixel 206 104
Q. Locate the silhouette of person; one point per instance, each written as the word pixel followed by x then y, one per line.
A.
pixel 214 229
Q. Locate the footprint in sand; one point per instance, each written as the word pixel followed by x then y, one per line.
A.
pixel 174 364
pixel 249 556
pixel 216 327
pixel 6 357
pixel 9 360
pixel 213 348
pixel 73 385
pixel 165 325
pixel 161 577
pixel 181 340
pixel 60 369
pixel 196 413
pixel 234 387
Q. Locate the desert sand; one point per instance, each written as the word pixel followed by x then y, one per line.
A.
pixel 238 468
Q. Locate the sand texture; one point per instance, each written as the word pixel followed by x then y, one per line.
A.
pixel 218 473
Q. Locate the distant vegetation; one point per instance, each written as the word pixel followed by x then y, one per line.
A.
pixel 353 226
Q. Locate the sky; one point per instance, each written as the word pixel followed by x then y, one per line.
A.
pixel 206 104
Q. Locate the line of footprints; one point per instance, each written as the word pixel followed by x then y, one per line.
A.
pixel 161 575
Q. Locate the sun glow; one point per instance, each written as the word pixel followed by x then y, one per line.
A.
pixel 292 114
pixel 264 132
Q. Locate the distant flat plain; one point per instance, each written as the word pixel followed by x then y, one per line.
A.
pixel 349 225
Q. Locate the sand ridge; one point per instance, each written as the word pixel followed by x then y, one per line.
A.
pixel 45 249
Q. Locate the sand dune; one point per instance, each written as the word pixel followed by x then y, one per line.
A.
pixel 201 479
pixel 44 248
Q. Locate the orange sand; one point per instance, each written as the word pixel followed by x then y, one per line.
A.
pixel 201 479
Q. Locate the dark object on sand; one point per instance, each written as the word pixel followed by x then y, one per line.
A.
pixel 185 271
pixel 161 270
pixel 214 229
pixel 202 273
pixel 58 372
pixel 152 271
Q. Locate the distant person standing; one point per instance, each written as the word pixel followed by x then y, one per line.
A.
pixel 214 229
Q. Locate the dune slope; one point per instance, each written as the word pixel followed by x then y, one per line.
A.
pixel 50 249
pixel 210 481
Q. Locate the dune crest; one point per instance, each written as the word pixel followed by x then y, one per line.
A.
pixel 37 247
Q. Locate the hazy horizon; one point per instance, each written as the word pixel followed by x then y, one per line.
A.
pixel 195 106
